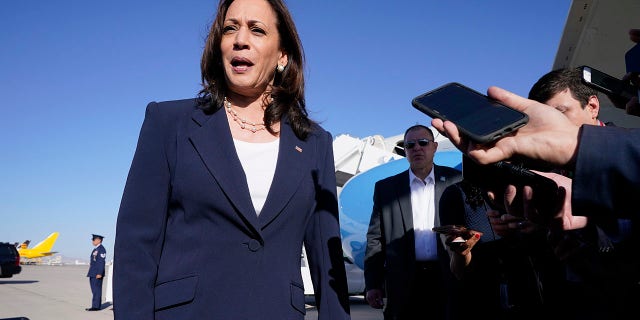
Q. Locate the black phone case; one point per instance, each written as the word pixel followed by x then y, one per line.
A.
pixel 477 116
pixel 608 84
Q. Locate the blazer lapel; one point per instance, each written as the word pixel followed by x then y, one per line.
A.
pixel 294 158
pixel 403 190
pixel 404 200
pixel 211 137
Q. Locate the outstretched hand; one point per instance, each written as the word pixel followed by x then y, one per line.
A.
pixel 549 136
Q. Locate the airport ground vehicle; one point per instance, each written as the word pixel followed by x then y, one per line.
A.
pixel 9 260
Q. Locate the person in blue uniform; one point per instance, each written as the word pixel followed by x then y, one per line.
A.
pixel 96 272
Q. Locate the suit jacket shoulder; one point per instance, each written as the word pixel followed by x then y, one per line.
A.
pixel 442 174
pixel 394 179
pixel 447 173
pixel 171 109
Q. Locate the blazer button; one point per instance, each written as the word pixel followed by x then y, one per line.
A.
pixel 254 245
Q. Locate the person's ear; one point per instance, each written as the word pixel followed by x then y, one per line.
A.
pixel 594 106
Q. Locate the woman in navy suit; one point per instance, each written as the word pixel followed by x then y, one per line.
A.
pixel 225 189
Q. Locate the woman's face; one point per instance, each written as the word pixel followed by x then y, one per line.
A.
pixel 250 47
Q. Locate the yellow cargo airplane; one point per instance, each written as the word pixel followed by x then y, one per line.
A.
pixel 40 250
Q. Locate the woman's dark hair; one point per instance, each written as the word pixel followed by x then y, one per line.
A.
pixel 287 92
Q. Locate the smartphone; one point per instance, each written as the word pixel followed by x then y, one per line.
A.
pixel 480 118
pixel 450 229
pixel 456 231
pixel 608 84
pixel 497 176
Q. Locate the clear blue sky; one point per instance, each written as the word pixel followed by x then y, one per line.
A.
pixel 76 75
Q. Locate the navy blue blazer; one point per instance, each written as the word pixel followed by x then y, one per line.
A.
pixel 606 181
pixel 189 244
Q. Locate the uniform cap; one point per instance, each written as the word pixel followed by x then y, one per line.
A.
pixel 94 236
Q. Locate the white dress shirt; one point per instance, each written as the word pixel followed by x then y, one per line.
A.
pixel 424 212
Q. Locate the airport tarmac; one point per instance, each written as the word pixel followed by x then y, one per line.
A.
pixel 62 292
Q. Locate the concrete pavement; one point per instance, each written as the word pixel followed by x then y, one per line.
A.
pixel 62 292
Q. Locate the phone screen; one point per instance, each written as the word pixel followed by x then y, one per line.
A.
pixel 477 116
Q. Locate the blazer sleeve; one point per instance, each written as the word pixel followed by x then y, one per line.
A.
pixel 322 240
pixel 141 220
pixel 607 176
pixel 374 258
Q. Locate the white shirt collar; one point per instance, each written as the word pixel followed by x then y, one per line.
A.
pixel 431 178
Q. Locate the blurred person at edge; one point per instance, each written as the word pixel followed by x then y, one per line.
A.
pixel 226 188
pixel 632 106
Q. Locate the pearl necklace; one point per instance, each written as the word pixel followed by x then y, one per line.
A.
pixel 244 123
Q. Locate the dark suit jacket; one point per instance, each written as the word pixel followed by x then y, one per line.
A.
pixel 606 180
pixel 390 255
pixel 189 244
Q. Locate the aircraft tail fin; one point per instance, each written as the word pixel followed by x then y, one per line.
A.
pixel 25 244
pixel 46 244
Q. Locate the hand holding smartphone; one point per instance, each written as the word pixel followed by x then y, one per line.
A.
pixel 455 232
pixel 459 238
pixel 450 229
pixel 497 176
pixel 477 116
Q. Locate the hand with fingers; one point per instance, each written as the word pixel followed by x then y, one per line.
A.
pixel 375 298
pixel 459 238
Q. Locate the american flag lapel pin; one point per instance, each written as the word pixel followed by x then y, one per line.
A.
pixel 298 149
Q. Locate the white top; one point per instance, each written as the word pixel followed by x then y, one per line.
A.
pixel 259 163
pixel 424 212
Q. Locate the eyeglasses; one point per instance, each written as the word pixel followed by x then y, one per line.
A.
pixel 412 143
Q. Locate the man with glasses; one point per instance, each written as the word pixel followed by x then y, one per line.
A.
pixel 404 260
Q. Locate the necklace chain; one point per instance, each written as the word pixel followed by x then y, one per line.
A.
pixel 243 123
